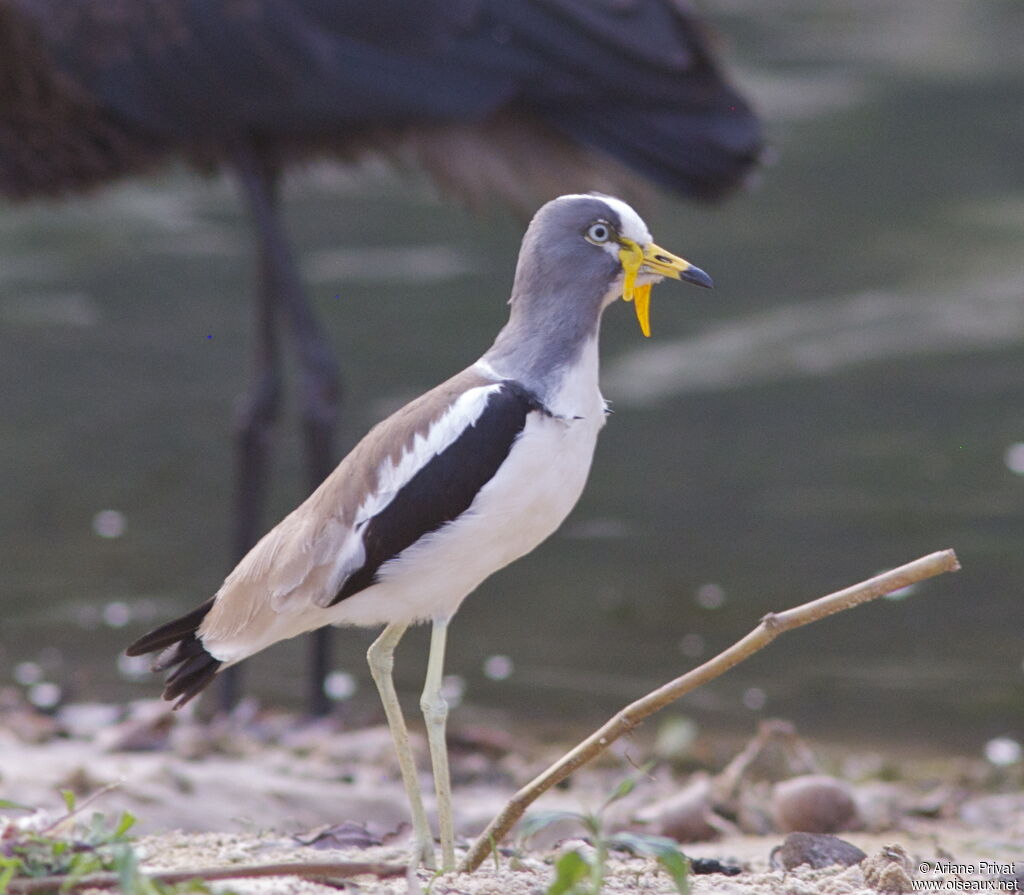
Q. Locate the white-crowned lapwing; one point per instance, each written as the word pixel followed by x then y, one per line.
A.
pixel 466 478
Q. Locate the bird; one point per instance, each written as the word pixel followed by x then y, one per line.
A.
pixel 468 477
pixel 494 100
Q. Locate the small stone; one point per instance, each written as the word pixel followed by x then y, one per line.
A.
pixel 521 864
pixel 817 850
pixel 581 846
pixel 343 835
pixel 714 865
pixel 889 870
pixel 814 803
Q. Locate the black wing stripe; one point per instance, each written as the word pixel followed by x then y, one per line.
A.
pixel 446 486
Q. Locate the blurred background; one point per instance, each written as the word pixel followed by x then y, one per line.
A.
pixel 850 396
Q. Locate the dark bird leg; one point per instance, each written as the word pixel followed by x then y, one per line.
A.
pixel 282 291
pixel 321 393
pixel 260 409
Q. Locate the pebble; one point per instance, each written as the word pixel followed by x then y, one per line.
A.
pixel 889 870
pixel 343 835
pixel 817 850
pixel 814 803
pixel 580 846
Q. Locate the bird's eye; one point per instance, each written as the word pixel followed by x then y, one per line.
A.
pixel 599 233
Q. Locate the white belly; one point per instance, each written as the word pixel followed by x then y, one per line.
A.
pixel 528 498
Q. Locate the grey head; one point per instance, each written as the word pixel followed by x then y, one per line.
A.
pixel 571 267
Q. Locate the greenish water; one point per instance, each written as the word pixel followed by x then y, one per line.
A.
pixel 848 398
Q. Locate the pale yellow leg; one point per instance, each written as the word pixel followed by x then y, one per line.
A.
pixel 435 712
pixel 381 657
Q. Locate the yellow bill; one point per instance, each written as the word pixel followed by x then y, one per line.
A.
pixel 652 259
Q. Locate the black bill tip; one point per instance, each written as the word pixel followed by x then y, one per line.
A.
pixel 697 276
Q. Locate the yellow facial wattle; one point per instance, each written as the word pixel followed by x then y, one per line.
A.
pixel 632 258
pixel 642 304
pixel 656 261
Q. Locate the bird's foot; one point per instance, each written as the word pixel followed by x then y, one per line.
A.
pixel 425 854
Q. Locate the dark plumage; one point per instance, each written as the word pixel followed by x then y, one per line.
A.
pixel 473 90
pixel 180 647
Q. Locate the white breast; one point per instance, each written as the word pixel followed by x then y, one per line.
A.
pixel 528 498
pixel 525 502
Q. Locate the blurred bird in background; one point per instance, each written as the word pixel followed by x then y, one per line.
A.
pixel 510 102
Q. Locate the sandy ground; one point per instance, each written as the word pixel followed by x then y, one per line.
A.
pixel 262 789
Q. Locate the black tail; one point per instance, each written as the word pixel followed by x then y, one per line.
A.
pixel 181 648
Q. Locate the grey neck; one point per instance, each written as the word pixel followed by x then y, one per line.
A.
pixel 550 324
pixel 538 349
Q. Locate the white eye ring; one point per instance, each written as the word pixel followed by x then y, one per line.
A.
pixel 599 233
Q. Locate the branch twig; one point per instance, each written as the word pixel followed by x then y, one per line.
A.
pixel 771 626
pixel 308 870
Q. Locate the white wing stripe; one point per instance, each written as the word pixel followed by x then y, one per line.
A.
pixel 392 477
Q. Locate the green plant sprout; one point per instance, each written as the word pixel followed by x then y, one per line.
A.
pixel 577 873
pixel 73 849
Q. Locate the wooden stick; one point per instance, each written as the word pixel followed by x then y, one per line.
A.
pixel 771 626
pixel 307 870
